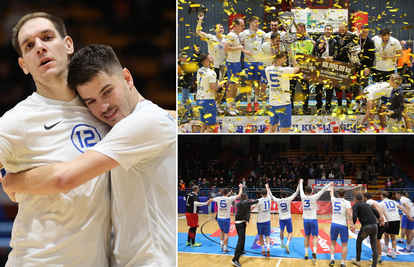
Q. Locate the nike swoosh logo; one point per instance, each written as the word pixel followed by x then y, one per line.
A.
pixel 51 126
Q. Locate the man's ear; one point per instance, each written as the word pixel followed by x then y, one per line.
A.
pixel 23 65
pixel 69 44
pixel 128 78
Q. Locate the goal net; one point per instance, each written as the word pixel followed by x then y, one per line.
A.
pixel 350 191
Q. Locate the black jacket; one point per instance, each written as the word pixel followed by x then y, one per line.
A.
pixel 364 213
pixel 333 47
pixel 243 209
pixel 367 55
pixel 397 103
pixel 343 41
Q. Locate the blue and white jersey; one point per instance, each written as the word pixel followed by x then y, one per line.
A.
pixel 252 42
pixel 205 77
pixel 234 40
pixel 284 205
pixel 410 205
pixel 216 49
pixel 370 202
pixel 339 207
pixel 263 209
pixel 309 202
pixel 391 209
pixel 224 206
pixel 277 77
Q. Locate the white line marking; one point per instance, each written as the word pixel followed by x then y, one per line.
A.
pixel 280 259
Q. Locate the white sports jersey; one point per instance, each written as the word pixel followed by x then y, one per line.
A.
pixel 143 187
pixel 252 42
pixel 64 229
pixel 309 202
pixel 224 206
pixel 278 81
pixel 370 201
pixel 391 210
pixel 267 52
pixel 377 90
pixel 205 77
pixel 234 40
pixel 339 206
pixel 390 49
pixel 263 209
pixel 410 205
pixel 284 205
pixel 216 49
pixel 269 35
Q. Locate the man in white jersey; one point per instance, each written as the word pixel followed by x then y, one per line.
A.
pixel 207 86
pixel 140 151
pixel 388 50
pixel 233 46
pixel 253 39
pixel 393 218
pixel 310 221
pixel 216 50
pixel 341 213
pixel 263 219
pixel 405 222
pixel 377 95
pixel 285 216
pixel 223 216
pixel 382 224
pixel 279 94
pixel 53 125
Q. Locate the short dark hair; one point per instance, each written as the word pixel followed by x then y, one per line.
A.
pixel 91 61
pixel 202 57
pixel 328 25
pixel 341 192
pixel 358 196
pixel 237 20
pixel 56 21
pixel 243 196
pixel 274 19
pixel 385 194
pixel 253 18
pixel 384 31
pixel 368 195
pixel 365 27
pixel 301 24
pixel 308 190
pixel 194 188
pixel 280 55
pixel 263 191
pixel 283 194
pixel 275 35
pixel 401 192
pixel 225 191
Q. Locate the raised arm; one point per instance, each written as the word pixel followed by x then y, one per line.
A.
pixel 332 191
pixel 240 191
pixel 199 28
pixel 301 188
pixel 59 177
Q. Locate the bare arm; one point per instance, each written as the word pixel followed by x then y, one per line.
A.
pixel 349 216
pixel 229 48
pixel 59 177
pixel 198 29
pixel 379 209
pixel 332 191
pixel 405 211
pixel 240 191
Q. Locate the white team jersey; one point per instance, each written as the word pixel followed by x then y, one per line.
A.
pixel 252 42
pixel 269 35
pixel 234 40
pixel 224 206
pixel 410 205
pixel 267 53
pixel 263 209
pixel 205 77
pixel 339 207
pixel 390 49
pixel 370 201
pixel 143 187
pixel 391 210
pixel 64 229
pixel 377 90
pixel 216 49
pixel 278 82
pixel 284 205
pixel 309 202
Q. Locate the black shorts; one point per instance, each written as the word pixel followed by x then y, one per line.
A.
pixel 381 76
pixel 393 228
pixel 381 230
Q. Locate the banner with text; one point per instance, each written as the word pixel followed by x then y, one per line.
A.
pixel 317 19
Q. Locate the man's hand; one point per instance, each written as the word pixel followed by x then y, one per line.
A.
pixel 240 186
pixel 353 228
pixel 250 54
pixel 366 72
pixel 389 112
pixel 381 219
pixel 267 186
pixel 328 58
pixel 301 181
pixel 201 16
pixel 410 218
pixel 331 183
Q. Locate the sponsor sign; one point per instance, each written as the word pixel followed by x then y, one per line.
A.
pixel 317 19
pixel 326 181
pixel 274 239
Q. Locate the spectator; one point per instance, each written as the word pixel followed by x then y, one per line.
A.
pixel 359 176
pixel 373 178
pixel 331 175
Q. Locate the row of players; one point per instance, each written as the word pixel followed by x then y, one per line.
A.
pixel 386 97
pixel 376 219
pixel 378 54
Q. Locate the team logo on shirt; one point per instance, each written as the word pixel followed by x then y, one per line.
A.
pixel 85 136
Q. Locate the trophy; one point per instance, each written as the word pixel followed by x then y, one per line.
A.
pixel 287 19
pixel 354 53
